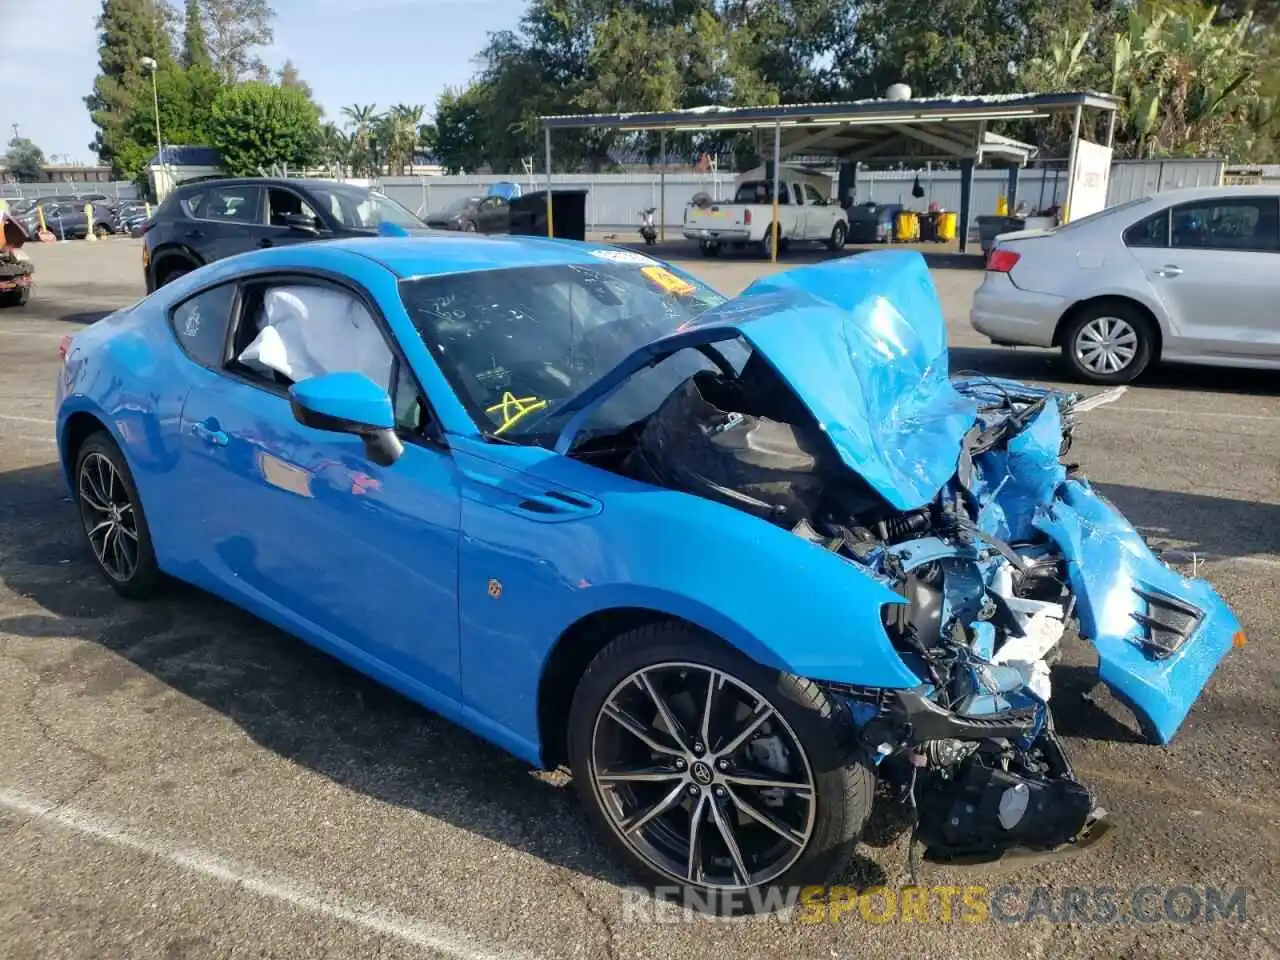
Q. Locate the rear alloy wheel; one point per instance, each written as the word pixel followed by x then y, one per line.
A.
pixel 715 776
pixel 838 235
pixel 114 523
pixel 1108 344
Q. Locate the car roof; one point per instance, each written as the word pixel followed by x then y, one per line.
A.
pixel 306 183
pixel 1183 194
pixel 461 253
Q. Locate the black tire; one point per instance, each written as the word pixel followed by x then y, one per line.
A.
pixel 101 230
pixel 172 273
pixel 1125 333
pixel 15 298
pixel 839 235
pixel 143 578
pixel 468 226
pixel 766 244
pixel 708 248
pixel 843 782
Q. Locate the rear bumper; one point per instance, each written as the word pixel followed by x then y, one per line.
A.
pixel 1159 635
pixel 716 235
pixel 1010 315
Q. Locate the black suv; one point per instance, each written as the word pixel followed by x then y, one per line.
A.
pixel 206 220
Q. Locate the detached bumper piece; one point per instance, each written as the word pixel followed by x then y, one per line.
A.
pixel 1169 623
pixel 987 812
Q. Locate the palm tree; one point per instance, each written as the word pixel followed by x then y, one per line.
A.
pixel 361 120
pixel 399 135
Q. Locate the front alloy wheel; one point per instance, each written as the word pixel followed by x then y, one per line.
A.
pixel 712 774
pixel 702 777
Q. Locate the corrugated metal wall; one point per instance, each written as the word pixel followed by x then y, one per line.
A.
pixel 1131 179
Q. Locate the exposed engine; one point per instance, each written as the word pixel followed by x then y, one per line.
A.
pixel 986 595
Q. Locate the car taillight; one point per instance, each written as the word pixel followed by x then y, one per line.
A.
pixel 1002 261
pixel 746 217
pixel 64 345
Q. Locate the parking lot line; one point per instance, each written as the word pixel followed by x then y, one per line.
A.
pixel 31 333
pixel 419 933
pixel 17 419
pixel 1166 412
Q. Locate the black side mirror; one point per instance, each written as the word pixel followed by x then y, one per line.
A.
pixel 300 221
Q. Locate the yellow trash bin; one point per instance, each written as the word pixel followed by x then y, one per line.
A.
pixel 1002 206
pixel 908 227
pixel 947 226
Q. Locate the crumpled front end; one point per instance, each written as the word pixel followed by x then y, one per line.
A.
pixel 1017 551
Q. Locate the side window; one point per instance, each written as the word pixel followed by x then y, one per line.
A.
pixel 200 325
pixel 1153 231
pixel 812 195
pixel 286 202
pixel 1243 223
pixel 411 415
pixel 230 203
pixel 289 332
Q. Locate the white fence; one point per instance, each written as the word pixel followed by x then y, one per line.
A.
pixel 119 190
pixel 615 200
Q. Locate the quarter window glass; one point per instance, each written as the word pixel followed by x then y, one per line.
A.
pixel 1150 232
pixel 200 325
pixel 1251 223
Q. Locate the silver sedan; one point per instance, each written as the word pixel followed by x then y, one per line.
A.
pixel 1187 275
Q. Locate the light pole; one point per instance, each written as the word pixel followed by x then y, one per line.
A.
pixel 149 64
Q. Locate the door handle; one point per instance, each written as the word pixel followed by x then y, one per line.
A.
pixel 265 242
pixel 1169 270
pixel 194 234
pixel 215 438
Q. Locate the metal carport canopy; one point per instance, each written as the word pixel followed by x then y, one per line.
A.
pixel 922 128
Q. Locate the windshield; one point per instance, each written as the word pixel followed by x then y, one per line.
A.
pixel 363 209
pixel 518 342
pixel 758 191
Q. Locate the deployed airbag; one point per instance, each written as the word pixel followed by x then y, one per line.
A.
pixel 308 331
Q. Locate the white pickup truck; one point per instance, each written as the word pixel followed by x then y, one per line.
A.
pixel 804 214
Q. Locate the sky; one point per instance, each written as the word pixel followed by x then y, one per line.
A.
pixel 349 51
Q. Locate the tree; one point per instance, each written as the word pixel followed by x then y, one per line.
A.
pixel 258 126
pixel 24 160
pixel 361 119
pixel 459 130
pixel 195 47
pixel 397 132
pixel 288 76
pixel 186 99
pixel 129 30
pixel 236 29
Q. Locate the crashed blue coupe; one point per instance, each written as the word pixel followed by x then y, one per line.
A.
pixel 729 560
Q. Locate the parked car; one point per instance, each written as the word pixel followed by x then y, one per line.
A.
pixel 133 216
pixel 1185 275
pixel 213 218
pixel 714 554
pixel 490 214
pixel 65 218
pixel 804 214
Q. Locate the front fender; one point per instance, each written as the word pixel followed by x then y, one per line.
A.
pixel 526 577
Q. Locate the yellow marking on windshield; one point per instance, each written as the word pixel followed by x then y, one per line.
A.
pixel 668 281
pixel 513 409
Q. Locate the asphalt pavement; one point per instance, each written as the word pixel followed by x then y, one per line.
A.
pixel 178 780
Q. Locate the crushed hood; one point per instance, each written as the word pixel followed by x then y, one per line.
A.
pixel 863 344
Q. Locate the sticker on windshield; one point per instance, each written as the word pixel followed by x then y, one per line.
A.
pixel 621 256
pixel 668 281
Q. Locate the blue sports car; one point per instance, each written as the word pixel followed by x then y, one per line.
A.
pixel 729 560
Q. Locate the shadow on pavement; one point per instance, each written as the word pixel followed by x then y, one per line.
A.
pixel 1033 363
pixel 291 699
pixel 936 256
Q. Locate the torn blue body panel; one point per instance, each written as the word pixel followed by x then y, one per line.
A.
pixel 1159 635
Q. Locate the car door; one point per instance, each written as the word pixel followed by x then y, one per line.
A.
pixel 281 203
pixel 298 522
pixel 820 217
pixel 493 215
pixel 1213 264
pixel 221 221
